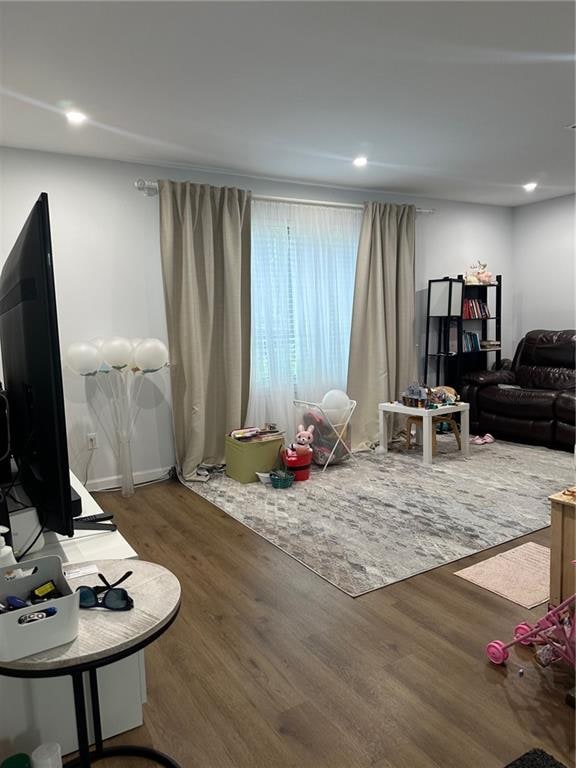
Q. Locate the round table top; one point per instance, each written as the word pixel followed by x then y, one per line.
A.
pixel 102 633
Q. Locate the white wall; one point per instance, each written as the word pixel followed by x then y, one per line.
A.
pixel 108 276
pixel 108 281
pixel 543 265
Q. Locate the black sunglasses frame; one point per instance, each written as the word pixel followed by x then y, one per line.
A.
pixel 101 594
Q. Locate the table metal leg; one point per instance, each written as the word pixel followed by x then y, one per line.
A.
pixel 146 752
pixel 83 759
pixel 95 703
pixel 86 758
pixel 427 436
pixel 465 432
pixel 126 751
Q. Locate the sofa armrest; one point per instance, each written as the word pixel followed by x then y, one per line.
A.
pixel 486 378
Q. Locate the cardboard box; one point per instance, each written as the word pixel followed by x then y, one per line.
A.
pixel 246 457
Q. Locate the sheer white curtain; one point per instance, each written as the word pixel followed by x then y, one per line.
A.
pixel 303 266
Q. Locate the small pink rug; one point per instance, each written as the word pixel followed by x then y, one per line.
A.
pixel 521 575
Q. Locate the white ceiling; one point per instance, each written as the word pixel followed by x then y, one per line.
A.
pixel 463 101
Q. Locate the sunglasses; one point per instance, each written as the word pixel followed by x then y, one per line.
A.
pixel 108 596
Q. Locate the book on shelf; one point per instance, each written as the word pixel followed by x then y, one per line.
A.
pixel 490 344
pixel 470 341
pixel 475 309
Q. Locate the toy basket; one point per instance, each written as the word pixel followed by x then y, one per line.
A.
pixel 332 439
pixel 18 640
pixel 281 479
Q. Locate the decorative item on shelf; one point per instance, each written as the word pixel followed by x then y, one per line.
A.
pixel 478 275
pixel 119 366
pixel 415 396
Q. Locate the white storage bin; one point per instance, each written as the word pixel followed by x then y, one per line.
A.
pixel 20 640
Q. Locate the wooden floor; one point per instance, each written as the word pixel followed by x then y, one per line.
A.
pixel 269 666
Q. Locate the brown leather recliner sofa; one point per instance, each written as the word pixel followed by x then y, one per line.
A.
pixel 535 400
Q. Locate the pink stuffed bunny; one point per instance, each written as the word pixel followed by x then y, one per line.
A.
pixel 303 439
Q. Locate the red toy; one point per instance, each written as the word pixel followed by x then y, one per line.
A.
pixel 298 456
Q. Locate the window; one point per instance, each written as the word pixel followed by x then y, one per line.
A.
pixel 303 266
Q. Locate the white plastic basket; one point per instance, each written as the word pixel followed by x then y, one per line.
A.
pixel 20 640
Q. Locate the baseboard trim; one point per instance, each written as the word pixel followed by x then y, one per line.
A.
pixel 143 476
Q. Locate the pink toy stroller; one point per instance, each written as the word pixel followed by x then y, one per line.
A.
pixel 555 633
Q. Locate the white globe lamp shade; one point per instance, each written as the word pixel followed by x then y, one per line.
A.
pixel 336 404
pixel 97 342
pixel 135 343
pixel 117 351
pixel 83 358
pixel 151 355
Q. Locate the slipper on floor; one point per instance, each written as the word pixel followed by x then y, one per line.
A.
pixel 477 440
pixel 488 438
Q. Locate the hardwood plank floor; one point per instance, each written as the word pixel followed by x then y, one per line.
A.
pixel 269 666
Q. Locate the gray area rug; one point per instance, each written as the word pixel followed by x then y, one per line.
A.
pixel 366 524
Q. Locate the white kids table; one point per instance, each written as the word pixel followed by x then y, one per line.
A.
pixel 426 414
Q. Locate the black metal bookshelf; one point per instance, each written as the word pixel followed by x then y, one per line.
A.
pixel 444 319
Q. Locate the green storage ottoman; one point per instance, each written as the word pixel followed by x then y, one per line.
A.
pixel 246 457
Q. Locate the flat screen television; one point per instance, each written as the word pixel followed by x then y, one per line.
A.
pixel 33 374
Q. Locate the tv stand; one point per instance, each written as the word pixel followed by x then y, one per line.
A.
pixel 21 518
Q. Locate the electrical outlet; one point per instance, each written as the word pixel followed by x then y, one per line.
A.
pixel 92 441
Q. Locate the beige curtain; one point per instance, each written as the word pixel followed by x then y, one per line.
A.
pixel 205 246
pixel 382 358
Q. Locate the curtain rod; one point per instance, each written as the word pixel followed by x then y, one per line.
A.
pixel 150 189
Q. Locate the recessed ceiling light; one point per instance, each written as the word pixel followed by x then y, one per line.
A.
pixel 531 186
pixel 360 161
pixel 74 117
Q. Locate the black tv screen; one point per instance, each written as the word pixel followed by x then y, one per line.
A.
pixel 32 372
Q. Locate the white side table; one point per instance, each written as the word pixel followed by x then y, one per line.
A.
pixel 27 714
pixel 426 415
pixel 105 637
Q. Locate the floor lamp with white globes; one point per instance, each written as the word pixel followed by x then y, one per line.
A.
pixel 119 366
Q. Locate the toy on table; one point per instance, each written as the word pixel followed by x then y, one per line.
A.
pixel 415 396
pixel 443 395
